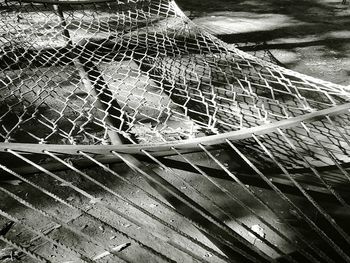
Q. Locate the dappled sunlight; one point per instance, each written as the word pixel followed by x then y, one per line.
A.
pixel 221 23
pixel 315 32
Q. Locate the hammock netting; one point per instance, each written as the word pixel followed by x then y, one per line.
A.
pixel 135 80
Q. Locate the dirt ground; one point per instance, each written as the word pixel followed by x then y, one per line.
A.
pixel 312 37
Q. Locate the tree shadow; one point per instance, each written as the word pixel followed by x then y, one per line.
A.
pixel 307 23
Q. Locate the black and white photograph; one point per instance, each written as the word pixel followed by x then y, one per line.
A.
pixel 175 131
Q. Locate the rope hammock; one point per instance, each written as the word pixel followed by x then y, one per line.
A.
pixel 86 86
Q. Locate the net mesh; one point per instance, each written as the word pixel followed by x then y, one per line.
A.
pixel 72 72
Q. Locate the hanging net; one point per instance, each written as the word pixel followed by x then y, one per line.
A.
pixel 116 81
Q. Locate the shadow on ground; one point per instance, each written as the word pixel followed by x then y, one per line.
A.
pixel 312 37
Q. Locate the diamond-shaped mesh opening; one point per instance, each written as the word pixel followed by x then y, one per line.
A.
pixel 73 72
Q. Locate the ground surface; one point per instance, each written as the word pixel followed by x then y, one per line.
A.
pixel 311 37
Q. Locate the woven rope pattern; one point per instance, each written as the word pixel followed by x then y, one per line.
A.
pixel 142 65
